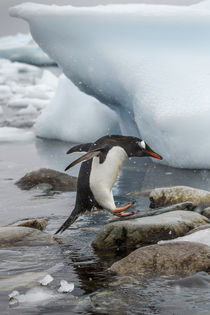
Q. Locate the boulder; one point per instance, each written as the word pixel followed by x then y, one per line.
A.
pixel 148 230
pixel 206 212
pixel 174 259
pixel 53 179
pixel 166 196
pixel 39 224
pixel 24 236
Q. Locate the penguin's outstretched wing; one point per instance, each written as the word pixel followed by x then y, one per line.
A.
pixel 83 147
pixel 101 152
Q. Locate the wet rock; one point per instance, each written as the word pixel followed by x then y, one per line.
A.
pixel 198 280
pixel 39 224
pixel 174 259
pixel 24 236
pixel 53 179
pixel 191 206
pixel 206 212
pixel 106 302
pixel 148 230
pixel 166 196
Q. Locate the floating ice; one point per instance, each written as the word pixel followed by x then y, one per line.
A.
pixel 202 236
pixel 30 110
pixel 32 296
pixel 46 280
pixel 21 47
pixel 25 101
pixel 149 63
pixel 73 115
pixel 10 134
pixel 65 287
pixel 5 91
pixel 1 110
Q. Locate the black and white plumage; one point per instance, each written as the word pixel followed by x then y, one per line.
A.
pixel 100 167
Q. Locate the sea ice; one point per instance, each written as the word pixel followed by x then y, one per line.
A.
pixel 74 115
pixel 26 101
pixel 22 48
pixel 32 296
pixel 30 110
pixel 46 280
pixel 10 134
pixel 149 63
pixel 65 287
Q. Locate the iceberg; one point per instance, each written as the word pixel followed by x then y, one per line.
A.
pixel 22 48
pixel 73 115
pixel 150 64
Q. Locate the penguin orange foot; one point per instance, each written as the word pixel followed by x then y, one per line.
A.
pixel 100 167
pixel 118 211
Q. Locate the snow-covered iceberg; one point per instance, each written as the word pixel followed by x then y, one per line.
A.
pixel 22 48
pixel 149 63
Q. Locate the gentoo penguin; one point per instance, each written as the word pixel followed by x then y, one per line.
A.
pixel 100 167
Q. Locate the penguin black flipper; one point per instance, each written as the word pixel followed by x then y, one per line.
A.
pixel 73 216
pixel 101 152
pixel 83 147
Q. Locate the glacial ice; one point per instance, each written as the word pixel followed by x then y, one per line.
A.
pixel 22 48
pixel 148 63
pixel 59 119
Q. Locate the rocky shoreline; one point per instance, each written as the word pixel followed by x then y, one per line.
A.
pixel 143 230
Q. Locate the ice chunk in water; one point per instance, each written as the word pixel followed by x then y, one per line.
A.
pixel 65 287
pixel 46 280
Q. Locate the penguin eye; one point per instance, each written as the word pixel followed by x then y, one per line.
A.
pixel 142 145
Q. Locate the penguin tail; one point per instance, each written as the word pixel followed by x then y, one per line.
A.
pixel 73 216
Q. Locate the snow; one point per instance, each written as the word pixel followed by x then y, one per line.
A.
pixel 65 287
pixel 202 236
pixel 22 48
pixel 148 63
pixel 12 134
pixel 74 116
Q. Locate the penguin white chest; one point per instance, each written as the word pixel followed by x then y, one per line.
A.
pixel 103 176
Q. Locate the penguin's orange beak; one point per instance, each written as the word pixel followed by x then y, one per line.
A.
pixel 155 155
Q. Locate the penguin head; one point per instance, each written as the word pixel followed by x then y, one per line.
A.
pixel 139 148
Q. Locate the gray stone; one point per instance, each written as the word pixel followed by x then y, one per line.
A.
pixel 206 212
pixel 174 259
pixel 166 196
pixel 39 224
pixel 24 236
pixel 148 230
pixel 51 179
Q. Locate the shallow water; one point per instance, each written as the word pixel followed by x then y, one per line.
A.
pixel 96 291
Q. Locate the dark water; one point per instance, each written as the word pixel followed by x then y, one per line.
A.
pixel 96 291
